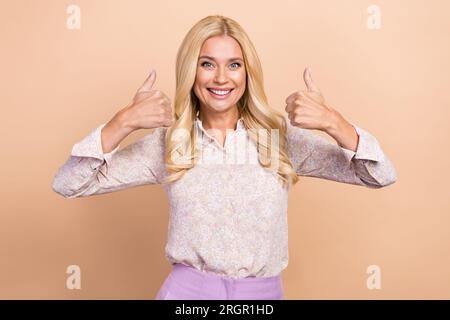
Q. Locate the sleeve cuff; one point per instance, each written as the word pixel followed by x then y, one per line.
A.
pixel 349 154
pixel 91 146
pixel 368 147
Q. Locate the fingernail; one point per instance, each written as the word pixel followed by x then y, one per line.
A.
pixel 151 71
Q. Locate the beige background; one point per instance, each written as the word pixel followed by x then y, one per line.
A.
pixel 59 84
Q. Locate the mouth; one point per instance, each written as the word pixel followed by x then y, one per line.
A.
pixel 220 94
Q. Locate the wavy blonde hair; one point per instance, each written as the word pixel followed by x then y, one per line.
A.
pixel 253 106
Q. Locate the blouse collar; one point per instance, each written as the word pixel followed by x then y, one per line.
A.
pixel 200 129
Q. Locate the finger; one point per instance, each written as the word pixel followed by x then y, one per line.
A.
pixel 301 99
pixel 292 106
pixel 167 109
pixel 310 85
pixel 167 105
pixel 168 122
pixel 293 96
pixel 168 114
pixel 308 98
pixel 291 115
pixel 298 117
pixel 289 107
pixel 148 83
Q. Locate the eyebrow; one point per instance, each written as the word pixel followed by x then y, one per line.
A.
pixel 212 58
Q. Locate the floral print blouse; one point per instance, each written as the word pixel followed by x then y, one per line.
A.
pixel 228 214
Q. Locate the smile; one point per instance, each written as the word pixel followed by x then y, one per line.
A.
pixel 220 94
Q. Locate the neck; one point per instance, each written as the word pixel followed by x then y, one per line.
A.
pixel 221 121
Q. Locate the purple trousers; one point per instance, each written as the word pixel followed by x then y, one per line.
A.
pixel 187 283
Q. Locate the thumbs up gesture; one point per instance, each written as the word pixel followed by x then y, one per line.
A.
pixel 307 108
pixel 150 108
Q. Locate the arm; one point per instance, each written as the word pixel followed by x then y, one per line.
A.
pixel 356 159
pixel 96 166
pixel 89 171
pixel 314 156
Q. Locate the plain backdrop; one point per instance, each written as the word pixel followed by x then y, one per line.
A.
pixel 58 84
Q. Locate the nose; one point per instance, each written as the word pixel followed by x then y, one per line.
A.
pixel 220 76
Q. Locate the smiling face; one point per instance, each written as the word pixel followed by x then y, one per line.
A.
pixel 220 69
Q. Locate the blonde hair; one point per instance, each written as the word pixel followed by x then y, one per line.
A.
pixel 253 105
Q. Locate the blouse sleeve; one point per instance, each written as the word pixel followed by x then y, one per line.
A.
pixel 89 171
pixel 314 156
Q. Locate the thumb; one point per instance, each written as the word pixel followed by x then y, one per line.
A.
pixel 310 85
pixel 148 83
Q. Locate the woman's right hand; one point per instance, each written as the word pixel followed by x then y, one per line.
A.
pixel 149 109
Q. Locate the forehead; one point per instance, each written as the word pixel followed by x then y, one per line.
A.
pixel 221 47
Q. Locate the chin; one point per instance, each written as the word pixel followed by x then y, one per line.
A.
pixel 219 109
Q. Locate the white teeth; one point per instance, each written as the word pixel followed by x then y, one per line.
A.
pixel 220 92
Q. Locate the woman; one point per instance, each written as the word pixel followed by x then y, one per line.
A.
pixel 227 162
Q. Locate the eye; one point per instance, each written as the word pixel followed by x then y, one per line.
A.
pixel 202 64
pixel 237 64
pixel 207 63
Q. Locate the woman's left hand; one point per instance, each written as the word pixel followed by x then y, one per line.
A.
pixel 307 108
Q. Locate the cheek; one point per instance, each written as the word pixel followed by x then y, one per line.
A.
pixel 199 83
pixel 198 90
pixel 202 78
pixel 240 78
